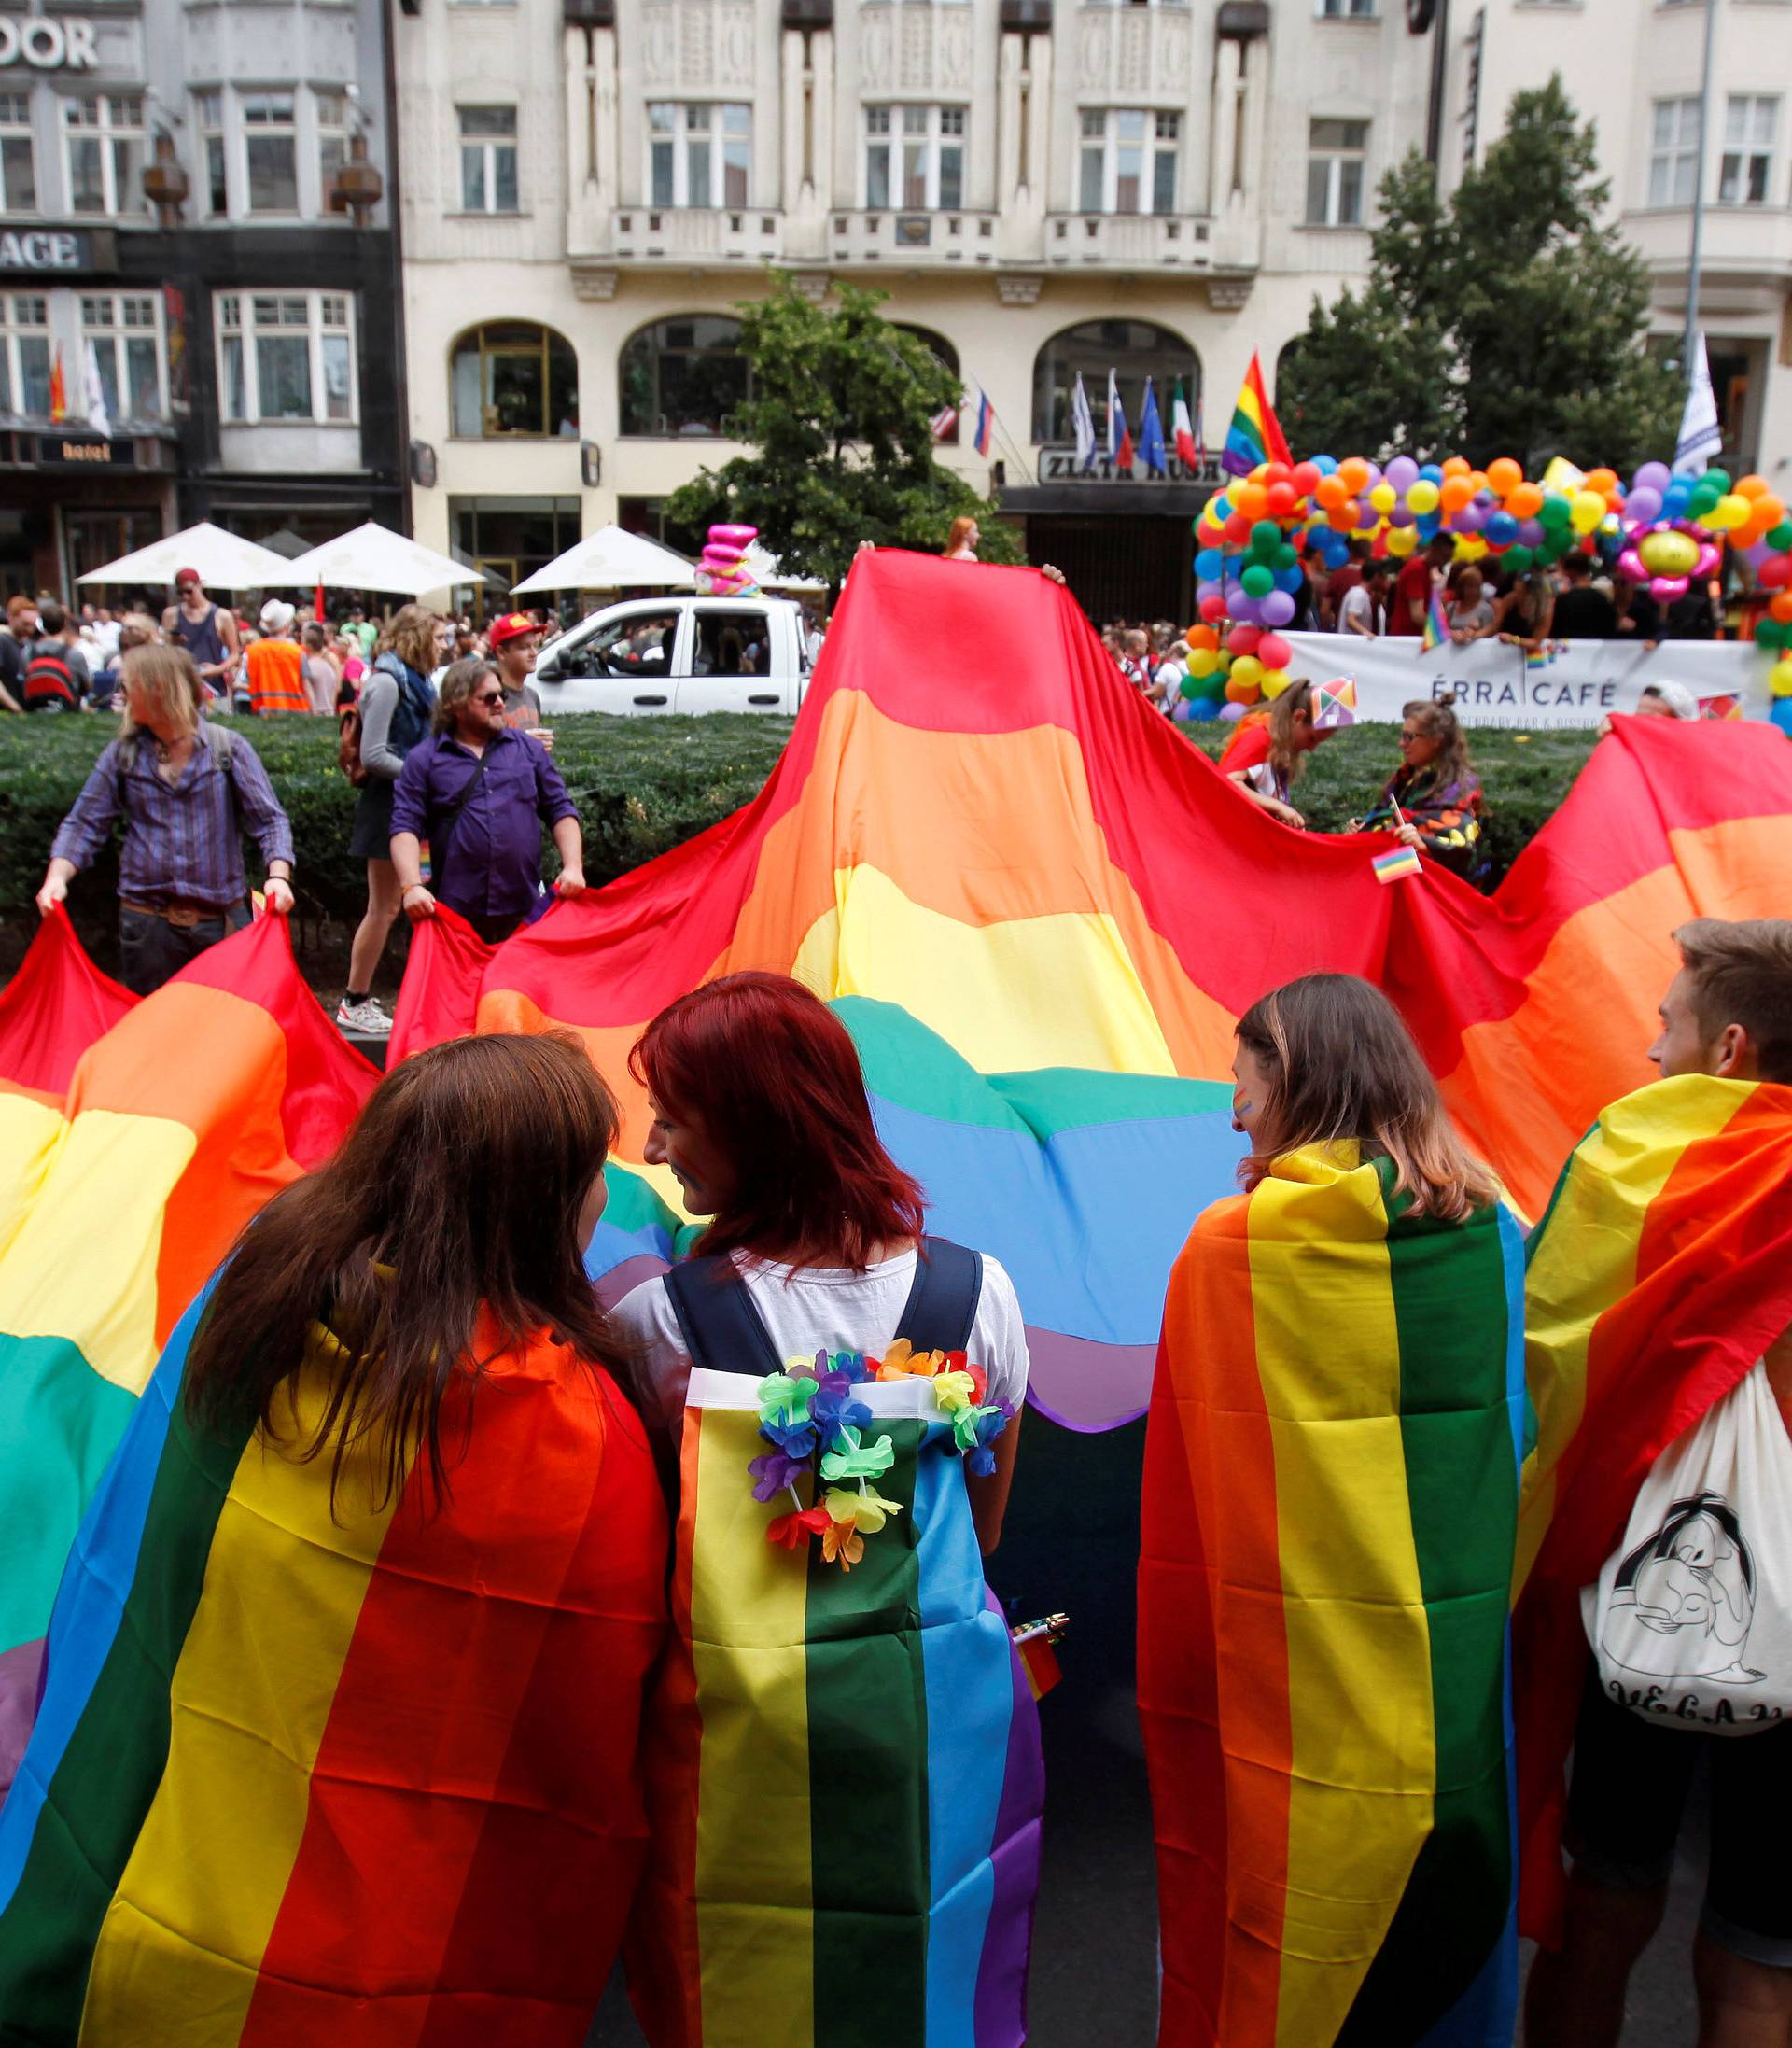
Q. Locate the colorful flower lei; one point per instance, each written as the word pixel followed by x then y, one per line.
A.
pixel 809 1417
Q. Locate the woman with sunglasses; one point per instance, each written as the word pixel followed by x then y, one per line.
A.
pixel 1432 801
pixel 479 792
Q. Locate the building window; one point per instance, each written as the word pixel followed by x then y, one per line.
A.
pixel 513 377
pixel 699 155
pixel 209 107
pixel 489 160
pixel 510 537
pixel 330 107
pixel 1134 350
pixel 1344 11
pixel 126 336
pixel 1127 160
pixel 24 356
pixel 271 149
pixel 103 134
pixel 946 357
pixel 684 376
pixel 1674 152
pixel 1337 158
pixel 1750 122
pixel 286 356
pixel 17 165
pixel 914 159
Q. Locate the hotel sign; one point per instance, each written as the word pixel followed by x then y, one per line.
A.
pixel 79 451
pixel 44 42
pixel 1060 465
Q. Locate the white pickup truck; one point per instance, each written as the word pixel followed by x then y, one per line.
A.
pixel 675 654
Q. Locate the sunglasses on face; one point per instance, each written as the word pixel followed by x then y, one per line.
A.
pixel 489 697
pixel 1410 739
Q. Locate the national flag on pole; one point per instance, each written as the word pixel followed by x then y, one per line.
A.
pixel 943 421
pixel 1200 433
pixel 1256 434
pixel 1082 426
pixel 98 416
pixel 1182 432
pixel 1151 435
pixel 1119 433
pixel 986 422
pixel 1436 624
pixel 1700 437
pixel 58 388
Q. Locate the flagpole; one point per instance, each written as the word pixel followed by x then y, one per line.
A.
pixel 1689 346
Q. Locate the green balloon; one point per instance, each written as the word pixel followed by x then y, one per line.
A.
pixel 1556 511
pixel 1265 536
pixel 1771 633
pixel 1286 557
pixel 1780 539
pixel 1518 560
pixel 1718 480
pixel 1258 580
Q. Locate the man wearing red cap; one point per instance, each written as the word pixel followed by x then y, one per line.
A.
pixel 205 630
pixel 514 640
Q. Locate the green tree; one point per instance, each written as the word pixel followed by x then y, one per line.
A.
pixel 839 417
pixel 1513 321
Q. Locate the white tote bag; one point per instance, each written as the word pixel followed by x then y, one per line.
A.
pixel 1691 1618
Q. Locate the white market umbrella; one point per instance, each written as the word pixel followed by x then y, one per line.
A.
pixel 225 561
pixel 609 558
pixel 374 557
pixel 768 576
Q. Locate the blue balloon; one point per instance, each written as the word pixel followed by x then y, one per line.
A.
pixel 1782 715
pixel 1427 524
pixel 1431 472
pixel 1208 564
pixel 1675 499
pixel 1502 529
pixel 1289 579
pixel 1324 464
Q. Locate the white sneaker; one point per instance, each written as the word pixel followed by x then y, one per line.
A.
pixel 365 1019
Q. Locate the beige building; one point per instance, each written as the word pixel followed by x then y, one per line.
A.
pixel 1042 188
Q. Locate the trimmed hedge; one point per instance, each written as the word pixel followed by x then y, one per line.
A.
pixel 642 786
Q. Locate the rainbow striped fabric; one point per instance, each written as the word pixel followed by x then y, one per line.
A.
pixel 1330 1502
pixel 845 1778
pixel 1255 433
pixel 1436 629
pixel 1660 1274
pixel 1397 864
pixel 304 1776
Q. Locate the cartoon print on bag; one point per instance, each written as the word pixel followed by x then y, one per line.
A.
pixel 1684 1599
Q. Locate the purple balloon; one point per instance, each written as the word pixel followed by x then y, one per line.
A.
pixel 1653 476
pixel 1245 610
pixel 1529 533
pixel 1204 591
pixel 1643 505
pixel 1230 711
pixel 1401 472
pixel 1471 519
pixel 1236 594
pixel 1402 516
pixel 1277 609
pixel 1757 554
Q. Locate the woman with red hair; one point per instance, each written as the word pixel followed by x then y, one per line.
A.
pixel 843 1702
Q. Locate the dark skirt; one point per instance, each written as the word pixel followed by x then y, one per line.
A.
pixel 371 838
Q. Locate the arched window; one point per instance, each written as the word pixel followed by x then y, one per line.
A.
pixel 1134 350
pixel 513 377
pixel 682 376
pixel 948 357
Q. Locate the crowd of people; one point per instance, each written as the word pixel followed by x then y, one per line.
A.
pixel 451 1227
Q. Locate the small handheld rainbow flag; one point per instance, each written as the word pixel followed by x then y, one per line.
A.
pixel 1036 1643
pixel 1720 706
pixel 1335 704
pixel 1437 624
pixel 1396 865
pixel 1256 434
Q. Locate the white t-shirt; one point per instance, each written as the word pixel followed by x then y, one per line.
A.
pixel 807 1309
pixel 1361 609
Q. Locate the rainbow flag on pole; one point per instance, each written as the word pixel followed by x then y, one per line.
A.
pixel 1331 1499
pixel 1256 434
pixel 309 1770
pixel 1437 632
pixel 1660 1272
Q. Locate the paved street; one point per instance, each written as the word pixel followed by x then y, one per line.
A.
pixel 1070 1542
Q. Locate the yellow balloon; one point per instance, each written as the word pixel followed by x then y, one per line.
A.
pixel 1275 680
pixel 1733 510
pixel 1384 498
pixel 1247 670
pixel 1778 679
pixel 1402 540
pixel 1470 547
pixel 1587 511
pixel 1422 495
pixel 1669 553
pixel 1202 661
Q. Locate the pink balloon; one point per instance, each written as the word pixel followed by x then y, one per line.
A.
pixel 1668 588
pixel 1273 651
pixel 1243 640
pixel 1630 562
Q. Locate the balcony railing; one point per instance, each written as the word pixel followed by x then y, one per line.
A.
pixel 681 234
pixel 932 237
pixel 1128 241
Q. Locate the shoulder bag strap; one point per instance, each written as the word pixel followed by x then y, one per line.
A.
pixel 943 1302
pixel 724 1332
pixel 443 832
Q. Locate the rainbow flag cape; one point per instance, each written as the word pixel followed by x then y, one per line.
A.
pixel 253 1813
pixel 1330 1503
pixel 1256 434
pixel 843 1767
pixel 1660 1274
pixel 136 1139
pixel 1436 629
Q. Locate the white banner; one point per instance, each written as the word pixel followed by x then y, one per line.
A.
pixel 1575 682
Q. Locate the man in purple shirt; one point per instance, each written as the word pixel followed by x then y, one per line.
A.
pixel 188 792
pixel 479 792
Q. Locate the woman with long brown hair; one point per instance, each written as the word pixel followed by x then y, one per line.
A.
pixel 842 1393
pixel 344 1687
pixel 394 713
pixel 1432 801
pixel 1329 1518
pixel 1267 754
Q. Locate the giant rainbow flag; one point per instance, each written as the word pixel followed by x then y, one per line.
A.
pixel 1041 912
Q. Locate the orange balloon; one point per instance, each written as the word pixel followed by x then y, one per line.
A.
pixel 1344 517
pixel 1479 478
pixel 1603 481
pixel 1355 474
pixel 1750 486
pixel 1202 636
pixel 1456 466
pixel 1745 535
pixel 1523 500
pixel 1456 492
pixel 1505 476
pixel 1781 606
pixel 1332 491
pixel 1252 499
